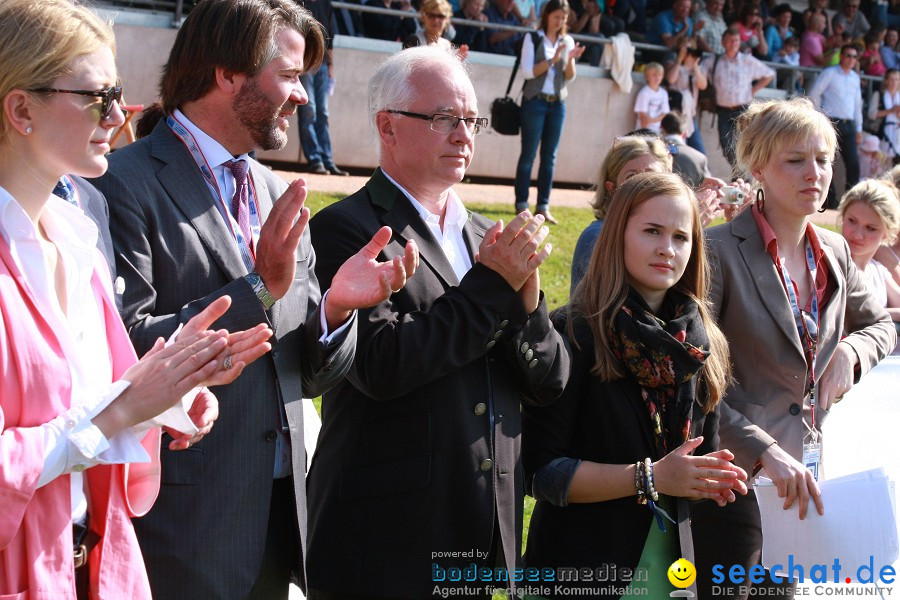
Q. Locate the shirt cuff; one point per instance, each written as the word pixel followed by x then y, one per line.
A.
pixel 551 482
pixel 73 443
pixel 327 337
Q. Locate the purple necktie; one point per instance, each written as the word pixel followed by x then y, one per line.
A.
pixel 240 203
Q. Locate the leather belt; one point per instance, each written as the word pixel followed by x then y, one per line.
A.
pixel 548 97
pixel 84 539
pixel 731 108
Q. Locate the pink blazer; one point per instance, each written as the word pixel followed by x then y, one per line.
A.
pixel 35 524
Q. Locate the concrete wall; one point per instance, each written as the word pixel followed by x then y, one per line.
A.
pixel 597 111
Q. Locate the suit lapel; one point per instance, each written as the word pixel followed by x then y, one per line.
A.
pixel 828 314
pixel 765 278
pixel 406 224
pixel 187 189
pixel 473 233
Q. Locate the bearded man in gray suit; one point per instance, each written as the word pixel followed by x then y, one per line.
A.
pixel 194 218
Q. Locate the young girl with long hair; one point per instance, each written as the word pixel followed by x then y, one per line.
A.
pixel 612 462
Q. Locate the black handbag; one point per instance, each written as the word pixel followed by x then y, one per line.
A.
pixel 505 112
pixel 505 117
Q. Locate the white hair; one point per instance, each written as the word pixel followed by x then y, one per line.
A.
pixel 389 87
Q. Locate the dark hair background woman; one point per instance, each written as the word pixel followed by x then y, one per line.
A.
pixel 547 67
pixel 649 366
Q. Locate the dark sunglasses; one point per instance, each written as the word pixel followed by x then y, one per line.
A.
pixel 107 95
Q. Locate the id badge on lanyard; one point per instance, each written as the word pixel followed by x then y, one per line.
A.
pixel 808 330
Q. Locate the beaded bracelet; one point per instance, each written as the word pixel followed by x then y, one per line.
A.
pixel 639 483
pixel 649 490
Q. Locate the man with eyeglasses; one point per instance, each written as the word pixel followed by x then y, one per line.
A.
pixel 194 218
pixel 853 19
pixel 838 94
pixel 417 475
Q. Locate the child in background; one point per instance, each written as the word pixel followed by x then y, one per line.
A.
pixel 870 60
pixel 872 161
pixel 789 54
pixel 652 102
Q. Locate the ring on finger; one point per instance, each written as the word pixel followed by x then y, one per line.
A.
pixel 227 362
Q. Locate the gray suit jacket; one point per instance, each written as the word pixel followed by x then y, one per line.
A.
pixel 205 535
pixel 752 309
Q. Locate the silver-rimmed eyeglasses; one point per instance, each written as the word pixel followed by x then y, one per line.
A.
pixel 446 123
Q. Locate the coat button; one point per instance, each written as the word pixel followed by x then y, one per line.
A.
pixel 795 409
pixel 498 334
pixel 480 408
pixel 504 323
pixel 523 348
pixel 529 355
pixel 271 435
pixel 486 464
pixel 78 468
pixel 490 344
pixel 533 363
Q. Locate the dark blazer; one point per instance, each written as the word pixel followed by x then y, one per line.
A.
pixel 205 535
pixel 407 463
pixel 92 202
pixel 748 299
pixel 603 422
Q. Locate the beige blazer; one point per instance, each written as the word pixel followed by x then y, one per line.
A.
pixel 763 406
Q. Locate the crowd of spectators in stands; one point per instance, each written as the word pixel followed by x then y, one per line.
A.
pixel 765 27
pixel 694 56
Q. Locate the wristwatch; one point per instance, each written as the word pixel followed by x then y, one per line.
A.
pixel 259 288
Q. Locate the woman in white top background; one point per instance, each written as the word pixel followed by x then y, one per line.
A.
pixel 886 105
pixel 870 217
pixel 548 64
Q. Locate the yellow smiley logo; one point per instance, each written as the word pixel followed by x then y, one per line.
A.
pixel 682 573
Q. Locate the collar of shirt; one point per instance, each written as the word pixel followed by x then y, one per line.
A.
pixel 455 213
pixel 75 236
pixel 824 282
pixel 450 239
pixel 216 155
pixel 64 223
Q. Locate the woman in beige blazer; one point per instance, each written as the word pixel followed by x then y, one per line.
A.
pixel 788 148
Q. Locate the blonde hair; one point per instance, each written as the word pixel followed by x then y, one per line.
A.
pixel 624 150
pixel 39 40
pixel 441 6
pixel 880 196
pixel 605 285
pixel 654 66
pixel 766 126
pixel 892 175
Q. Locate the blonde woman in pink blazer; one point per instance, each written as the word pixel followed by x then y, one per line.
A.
pixel 79 450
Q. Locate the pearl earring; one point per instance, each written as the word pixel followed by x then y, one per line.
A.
pixel 28 130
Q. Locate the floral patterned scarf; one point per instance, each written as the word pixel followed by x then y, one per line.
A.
pixel 663 356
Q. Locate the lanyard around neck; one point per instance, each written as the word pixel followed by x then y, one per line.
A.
pixel 245 247
pixel 808 339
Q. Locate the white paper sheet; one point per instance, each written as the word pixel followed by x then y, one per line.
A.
pixel 858 527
